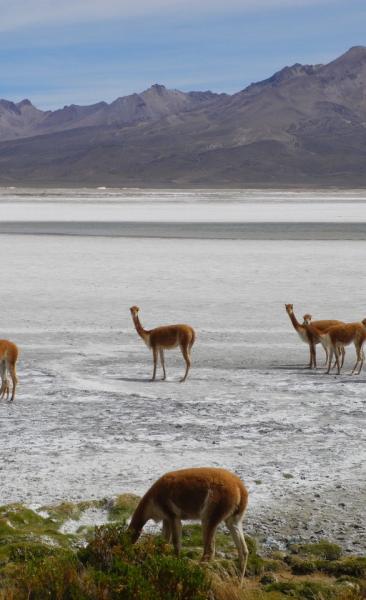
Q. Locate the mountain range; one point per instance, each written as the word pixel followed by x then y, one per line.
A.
pixel 304 126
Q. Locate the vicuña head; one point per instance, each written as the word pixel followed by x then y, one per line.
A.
pixel 289 308
pixel 134 310
pixel 307 319
pixel 209 494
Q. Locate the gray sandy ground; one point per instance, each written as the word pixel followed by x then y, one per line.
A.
pixel 87 423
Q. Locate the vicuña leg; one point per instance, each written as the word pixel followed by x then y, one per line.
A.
pixel 209 527
pixel 310 365
pixel 4 390
pixel 14 379
pixel 176 527
pixel 312 356
pixel 155 359
pixel 215 514
pixel 360 359
pixel 343 352
pixel 236 530
pixel 336 352
pixel 330 358
pixel 167 530
pixel 340 353
pixel 187 359
pixel 161 352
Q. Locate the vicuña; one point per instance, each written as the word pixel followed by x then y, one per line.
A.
pixel 335 338
pixel 166 338
pixel 316 336
pixel 209 494
pixel 301 330
pixel 8 358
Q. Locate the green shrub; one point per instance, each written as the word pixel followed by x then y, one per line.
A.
pixel 53 577
pixel 37 562
pixel 146 570
pixel 304 590
pixel 354 566
pixel 29 551
pixel 110 567
pixel 300 566
pixel 322 549
pixel 273 565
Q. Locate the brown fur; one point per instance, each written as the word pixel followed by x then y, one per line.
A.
pixel 8 357
pixel 322 326
pixel 316 336
pixel 166 338
pixel 342 335
pixel 209 494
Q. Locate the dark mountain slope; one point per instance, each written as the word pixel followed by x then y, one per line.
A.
pixel 303 126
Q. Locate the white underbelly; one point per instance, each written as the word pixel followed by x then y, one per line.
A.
pixel 302 335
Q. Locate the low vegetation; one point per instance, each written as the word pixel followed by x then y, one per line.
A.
pixel 40 559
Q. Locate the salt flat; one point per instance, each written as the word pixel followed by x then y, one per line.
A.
pixel 87 423
pixel 182 206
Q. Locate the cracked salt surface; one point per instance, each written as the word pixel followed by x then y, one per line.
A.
pixel 88 424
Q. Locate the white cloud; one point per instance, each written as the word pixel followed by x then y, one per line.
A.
pixel 22 13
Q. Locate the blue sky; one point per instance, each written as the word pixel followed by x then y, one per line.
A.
pixel 58 52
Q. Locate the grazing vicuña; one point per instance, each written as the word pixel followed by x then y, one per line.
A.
pixel 209 494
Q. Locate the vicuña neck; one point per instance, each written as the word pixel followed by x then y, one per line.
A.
pixel 138 520
pixel 139 328
pixel 294 321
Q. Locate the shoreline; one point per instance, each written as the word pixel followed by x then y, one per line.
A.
pixel 175 186
pixel 191 230
pixel 299 522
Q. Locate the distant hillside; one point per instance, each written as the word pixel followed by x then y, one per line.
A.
pixel 305 125
pixel 22 119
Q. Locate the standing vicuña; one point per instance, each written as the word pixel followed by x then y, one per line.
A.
pixel 8 358
pixel 209 494
pixel 342 335
pixel 316 336
pixel 165 338
pixel 301 330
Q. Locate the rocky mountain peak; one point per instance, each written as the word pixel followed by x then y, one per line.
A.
pixel 8 105
pixel 356 51
pixel 286 74
pixel 353 58
pixel 24 102
pixel 157 88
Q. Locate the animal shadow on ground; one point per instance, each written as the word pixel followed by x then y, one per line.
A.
pixel 146 380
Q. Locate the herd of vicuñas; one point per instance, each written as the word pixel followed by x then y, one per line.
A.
pixel 211 495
